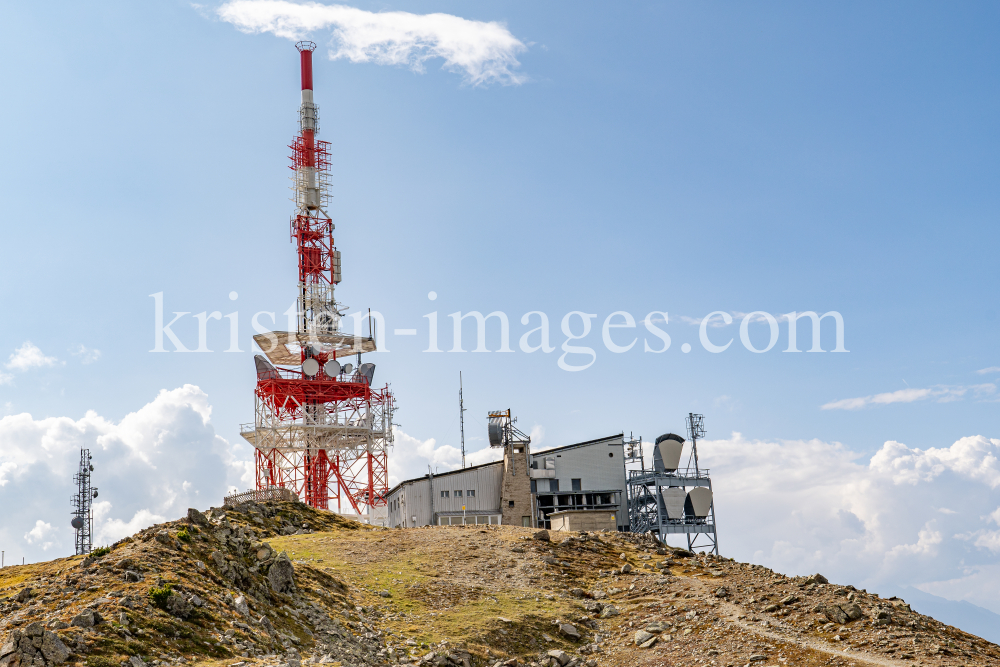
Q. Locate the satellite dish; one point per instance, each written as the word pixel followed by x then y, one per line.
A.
pixel 332 368
pixel 310 367
pixel 77 522
pixel 95 493
pixel 348 368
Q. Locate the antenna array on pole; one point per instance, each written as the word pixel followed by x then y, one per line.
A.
pixel 461 415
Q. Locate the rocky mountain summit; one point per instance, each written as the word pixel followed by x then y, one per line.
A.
pixel 280 584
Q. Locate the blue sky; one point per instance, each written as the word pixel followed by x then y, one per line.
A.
pixel 675 157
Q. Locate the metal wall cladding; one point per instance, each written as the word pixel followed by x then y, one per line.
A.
pixel 592 465
pixel 416 498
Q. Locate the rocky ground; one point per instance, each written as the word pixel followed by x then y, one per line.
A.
pixel 281 584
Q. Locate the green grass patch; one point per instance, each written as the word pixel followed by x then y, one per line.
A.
pixel 184 535
pixel 100 552
pixel 159 596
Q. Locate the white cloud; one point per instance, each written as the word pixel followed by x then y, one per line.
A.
pixel 991 369
pixel 150 466
pixel 86 354
pixel 940 393
pixel 28 356
pixel 39 534
pixel 6 378
pixel 812 506
pixel 484 51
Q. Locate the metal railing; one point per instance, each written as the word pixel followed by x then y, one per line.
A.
pixel 260 496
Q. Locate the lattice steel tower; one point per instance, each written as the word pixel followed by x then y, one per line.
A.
pixel 83 510
pixel 320 429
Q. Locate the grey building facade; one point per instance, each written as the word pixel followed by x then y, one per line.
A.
pixel 587 476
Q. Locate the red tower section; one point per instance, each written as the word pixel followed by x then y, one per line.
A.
pixel 321 429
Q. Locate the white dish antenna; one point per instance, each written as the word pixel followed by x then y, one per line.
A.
pixel 310 367
pixel 332 368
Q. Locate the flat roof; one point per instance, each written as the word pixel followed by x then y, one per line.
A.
pixel 494 463
pixel 578 444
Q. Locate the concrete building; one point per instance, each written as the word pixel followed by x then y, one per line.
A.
pixel 524 489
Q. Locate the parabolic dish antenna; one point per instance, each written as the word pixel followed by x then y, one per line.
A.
pixel 310 367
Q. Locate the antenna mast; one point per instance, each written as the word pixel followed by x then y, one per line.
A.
pixel 83 501
pixel 461 415
pixel 696 429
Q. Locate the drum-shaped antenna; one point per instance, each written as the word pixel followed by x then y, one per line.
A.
pixel 77 522
pixel 496 434
pixel 310 367
pixel 667 452
pixel 699 502
pixel 332 368
pixel 673 499
pixel 348 368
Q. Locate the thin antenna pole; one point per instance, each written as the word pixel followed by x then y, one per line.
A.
pixel 461 415
pixel 694 441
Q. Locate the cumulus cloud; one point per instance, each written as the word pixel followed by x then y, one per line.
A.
pixel 39 535
pixel 939 393
pixel 86 354
pixel 805 506
pixel 150 466
pixel 28 356
pixel 991 369
pixel 484 51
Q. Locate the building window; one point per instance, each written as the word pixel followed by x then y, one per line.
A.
pixel 458 493
pixel 444 494
pixel 577 485
pixel 471 493
pixel 553 485
pixel 534 486
pixel 510 503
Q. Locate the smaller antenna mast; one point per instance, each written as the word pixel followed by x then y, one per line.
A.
pixel 695 429
pixel 83 511
pixel 461 415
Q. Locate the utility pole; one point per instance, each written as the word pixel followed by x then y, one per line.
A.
pixel 461 415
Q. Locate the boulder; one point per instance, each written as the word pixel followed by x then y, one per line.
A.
pixel 835 614
pixel 577 592
pixel 177 606
pixel 86 619
pixel 817 579
pixel 132 577
pixel 240 604
pixel 35 629
pixel 281 575
pixel 163 537
pixel 53 649
pixel 195 516
pixel 641 637
pixel 541 535
pixel 561 656
pixel 569 630
pixel 264 552
pixel 656 627
pixel 609 611
pixel 852 610
pixel 136 661
pixel 626 568
pixel 791 599
pixel 23 595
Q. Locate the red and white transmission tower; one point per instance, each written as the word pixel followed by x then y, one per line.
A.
pixel 320 429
